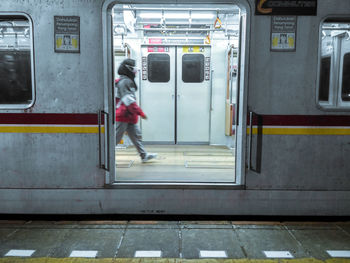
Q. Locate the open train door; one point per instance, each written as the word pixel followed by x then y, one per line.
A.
pixel 241 111
pixel 107 115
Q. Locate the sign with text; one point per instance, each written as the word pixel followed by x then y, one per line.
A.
pixel 67 34
pixel 286 7
pixel 283 33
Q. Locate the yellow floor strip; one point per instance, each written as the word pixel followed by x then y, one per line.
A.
pixel 166 260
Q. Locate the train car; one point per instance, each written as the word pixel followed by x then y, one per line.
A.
pixel 247 103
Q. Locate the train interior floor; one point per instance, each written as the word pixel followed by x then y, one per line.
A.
pixel 179 163
pixel 173 241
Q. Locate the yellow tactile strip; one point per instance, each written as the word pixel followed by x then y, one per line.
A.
pixel 166 260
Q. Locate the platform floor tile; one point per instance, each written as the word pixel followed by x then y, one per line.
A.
pixel 255 241
pixel 43 241
pixel 176 241
pixel 5 233
pixel 105 241
pixel 346 228
pixel 318 241
pixel 195 240
pixel 164 240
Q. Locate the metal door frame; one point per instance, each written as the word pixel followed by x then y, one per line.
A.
pixel 241 146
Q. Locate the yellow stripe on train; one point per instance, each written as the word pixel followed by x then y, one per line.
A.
pixel 302 131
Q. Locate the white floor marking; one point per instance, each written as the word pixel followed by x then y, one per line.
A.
pixel 278 254
pixel 148 254
pixel 339 253
pixel 212 254
pixel 83 254
pixel 19 253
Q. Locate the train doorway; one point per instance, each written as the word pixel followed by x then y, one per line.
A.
pixel 176 94
pixel 188 86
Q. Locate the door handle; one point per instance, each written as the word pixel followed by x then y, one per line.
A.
pixel 257 119
pixel 250 139
pixel 104 166
pixel 99 140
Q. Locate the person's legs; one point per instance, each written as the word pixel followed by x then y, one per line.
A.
pixel 120 129
pixel 135 136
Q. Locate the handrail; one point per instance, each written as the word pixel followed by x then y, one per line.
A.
pixel 106 122
pixel 250 139
pixel 259 133
pixel 99 140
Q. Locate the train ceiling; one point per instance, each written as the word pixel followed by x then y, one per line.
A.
pixel 179 20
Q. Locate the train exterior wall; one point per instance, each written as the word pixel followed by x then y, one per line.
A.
pixel 59 173
pixel 284 84
pixel 65 83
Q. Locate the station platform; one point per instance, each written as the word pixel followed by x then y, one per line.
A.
pixel 173 241
pixel 177 163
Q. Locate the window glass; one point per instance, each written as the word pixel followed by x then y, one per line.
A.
pixel 192 68
pixel 324 79
pixel 15 61
pixel 158 67
pixel 334 71
pixel 345 94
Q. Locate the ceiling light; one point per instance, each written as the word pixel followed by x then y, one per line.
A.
pixel 202 16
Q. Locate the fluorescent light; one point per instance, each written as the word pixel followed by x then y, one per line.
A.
pixel 150 15
pixel 158 15
pixel 176 16
pixel 202 16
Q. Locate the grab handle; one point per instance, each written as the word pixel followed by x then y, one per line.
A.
pixel 258 120
pixel 250 139
pixel 106 122
pixel 99 140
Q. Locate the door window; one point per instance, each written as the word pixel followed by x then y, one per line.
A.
pixel 192 68
pixel 158 67
pixel 324 79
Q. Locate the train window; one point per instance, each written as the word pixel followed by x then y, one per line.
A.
pixel 193 68
pixel 346 78
pixel 334 71
pixel 158 67
pixel 324 81
pixel 16 76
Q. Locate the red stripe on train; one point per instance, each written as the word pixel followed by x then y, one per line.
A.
pixel 301 120
pixel 50 118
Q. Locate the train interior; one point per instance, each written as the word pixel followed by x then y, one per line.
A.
pixel 15 60
pixel 335 63
pixel 187 59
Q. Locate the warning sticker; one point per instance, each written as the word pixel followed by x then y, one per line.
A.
pixel 67 34
pixel 283 33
